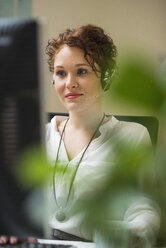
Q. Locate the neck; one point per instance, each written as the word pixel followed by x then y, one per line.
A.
pixel 85 120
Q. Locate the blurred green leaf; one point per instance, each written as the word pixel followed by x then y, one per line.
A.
pixel 33 168
pixel 121 186
pixel 139 83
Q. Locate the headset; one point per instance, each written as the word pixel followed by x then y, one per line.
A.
pixel 106 78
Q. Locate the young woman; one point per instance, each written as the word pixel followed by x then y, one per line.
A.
pixel 81 146
pixel 83 63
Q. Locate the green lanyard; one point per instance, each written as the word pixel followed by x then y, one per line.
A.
pixel 60 216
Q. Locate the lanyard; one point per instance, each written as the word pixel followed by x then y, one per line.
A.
pixel 77 167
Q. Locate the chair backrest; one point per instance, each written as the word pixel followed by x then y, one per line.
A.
pixel 150 122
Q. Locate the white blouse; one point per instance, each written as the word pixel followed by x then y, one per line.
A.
pixel 142 214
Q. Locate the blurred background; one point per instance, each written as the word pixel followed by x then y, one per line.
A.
pixel 137 25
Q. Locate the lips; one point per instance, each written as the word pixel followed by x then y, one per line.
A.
pixel 73 95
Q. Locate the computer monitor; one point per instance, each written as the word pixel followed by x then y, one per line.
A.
pixel 20 117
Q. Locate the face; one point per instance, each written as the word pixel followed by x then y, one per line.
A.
pixel 77 85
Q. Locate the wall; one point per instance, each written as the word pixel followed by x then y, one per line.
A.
pixel 15 8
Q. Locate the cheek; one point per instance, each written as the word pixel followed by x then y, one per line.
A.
pixel 96 85
pixel 59 89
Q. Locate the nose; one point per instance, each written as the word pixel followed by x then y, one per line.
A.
pixel 71 82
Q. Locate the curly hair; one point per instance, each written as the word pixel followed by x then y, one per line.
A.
pixel 97 46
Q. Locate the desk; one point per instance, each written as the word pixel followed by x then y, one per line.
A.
pixel 76 243
pixel 61 242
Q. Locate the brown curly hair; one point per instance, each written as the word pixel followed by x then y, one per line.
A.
pixel 97 46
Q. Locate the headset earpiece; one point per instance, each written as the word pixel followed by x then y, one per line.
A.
pixel 107 79
pixel 53 79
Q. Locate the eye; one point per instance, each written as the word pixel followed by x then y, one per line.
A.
pixel 81 71
pixel 61 73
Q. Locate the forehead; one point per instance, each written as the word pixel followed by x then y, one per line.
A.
pixel 69 55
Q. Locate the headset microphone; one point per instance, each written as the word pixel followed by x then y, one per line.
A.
pixel 91 97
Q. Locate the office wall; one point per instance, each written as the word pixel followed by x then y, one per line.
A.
pixel 138 23
pixel 15 8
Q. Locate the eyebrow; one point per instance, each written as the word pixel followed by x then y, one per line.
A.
pixel 77 65
pixel 59 66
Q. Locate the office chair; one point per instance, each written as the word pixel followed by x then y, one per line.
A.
pixel 150 122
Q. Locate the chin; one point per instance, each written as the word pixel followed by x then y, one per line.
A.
pixel 81 106
pixel 73 107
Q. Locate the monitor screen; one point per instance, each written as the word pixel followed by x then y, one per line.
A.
pixel 20 116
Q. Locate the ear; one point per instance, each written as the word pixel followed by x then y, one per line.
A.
pixel 53 79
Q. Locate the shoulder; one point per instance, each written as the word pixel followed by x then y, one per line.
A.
pixel 54 125
pixel 50 127
pixel 133 128
pixel 130 131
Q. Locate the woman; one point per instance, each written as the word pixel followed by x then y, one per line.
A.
pixel 83 63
